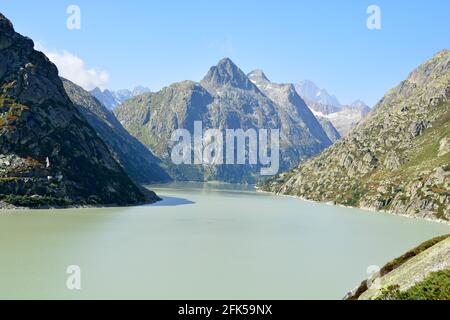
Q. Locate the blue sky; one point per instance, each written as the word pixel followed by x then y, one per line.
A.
pixel 156 43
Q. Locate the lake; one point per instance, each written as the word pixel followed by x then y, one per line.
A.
pixel 204 241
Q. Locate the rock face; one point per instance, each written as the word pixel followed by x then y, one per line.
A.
pixel 395 160
pixel 224 99
pixel 137 160
pixel 111 99
pixel 49 154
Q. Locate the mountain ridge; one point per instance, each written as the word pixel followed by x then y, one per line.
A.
pixel 286 96
pixel 328 108
pixel 111 98
pixel 395 160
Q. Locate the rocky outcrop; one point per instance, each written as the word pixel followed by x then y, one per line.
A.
pixel 408 271
pixel 50 155
pixel 395 160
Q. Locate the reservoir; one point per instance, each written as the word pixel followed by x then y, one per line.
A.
pixel 203 241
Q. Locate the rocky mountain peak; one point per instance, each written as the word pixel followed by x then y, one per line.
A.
pixel 258 76
pixel 360 105
pixel 227 73
pixel 310 92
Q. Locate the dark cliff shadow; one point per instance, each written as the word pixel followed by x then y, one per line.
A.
pixel 171 202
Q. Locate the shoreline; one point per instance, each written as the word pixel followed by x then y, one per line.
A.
pixel 9 207
pixel 369 210
pixel 4 206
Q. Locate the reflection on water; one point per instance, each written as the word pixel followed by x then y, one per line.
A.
pixel 172 201
pixel 204 241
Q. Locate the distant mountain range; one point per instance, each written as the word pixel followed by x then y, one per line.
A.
pixel 287 97
pixel 397 159
pixel 226 98
pixel 327 107
pixel 309 91
pixel 111 99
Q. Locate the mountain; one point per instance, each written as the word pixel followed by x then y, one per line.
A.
pixel 106 98
pixel 346 117
pixel 328 107
pixel 311 93
pixel 396 160
pixel 285 96
pixel 327 126
pixel 49 154
pixel 111 98
pixel 137 91
pixel 224 99
pixel 359 104
pixel 137 160
pixel 226 74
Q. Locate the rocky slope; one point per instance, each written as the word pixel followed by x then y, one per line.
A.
pixel 411 276
pixel 49 154
pixel 111 99
pixel 137 160
pixel 396 160
pixel 332 133
pixel 286 97
pixel 224 99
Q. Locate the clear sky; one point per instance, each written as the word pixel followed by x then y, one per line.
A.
pixel 122 44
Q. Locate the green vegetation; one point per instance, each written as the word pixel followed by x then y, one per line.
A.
pixel 353 199
pixel 396 263
pixel 10 110
pixel 435 287
pixel 396 160
pixel 36 201
pixel 391 266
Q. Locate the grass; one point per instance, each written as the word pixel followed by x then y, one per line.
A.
pixel 434 287
pixel 391 266
pixel 35 201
